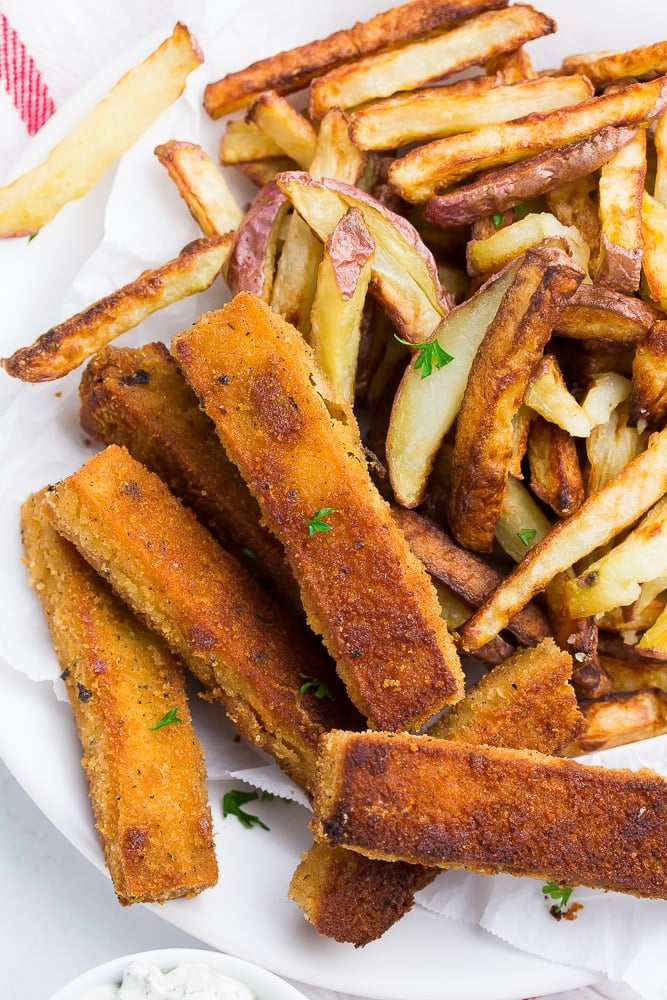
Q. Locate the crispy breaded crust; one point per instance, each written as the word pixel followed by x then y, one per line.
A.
pixel 291 70
pixel 153 820
pixel 361 587
pixel 244 649
pixel 526 703
pixel 490 809
pixel 137 397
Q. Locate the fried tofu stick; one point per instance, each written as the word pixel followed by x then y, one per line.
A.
pixel 146 785
pixel 492 809
pixel 300 454
pixel 137 397
pixel 526 703
pixel 241 646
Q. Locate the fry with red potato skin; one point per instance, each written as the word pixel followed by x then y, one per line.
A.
pixel 422 115
pixel 492 809
pixel 244 649
pixel 620 198
pixel 601 517
pixel 66 346
pixel 154 822
pixel 342 282
pixel 411 64
pixel 654 260
pixel 289 129
pixel 502 189
pixel 430 169
pixel 498 378
pixel 555 472
pixel 78 161
pixel 300 454
pixel 293 69
pixel 201 185
pixel 601 314
pixel 604 68
pixel 648 396
pixel 253 258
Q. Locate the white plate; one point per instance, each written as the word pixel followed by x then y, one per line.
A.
pixel 424 957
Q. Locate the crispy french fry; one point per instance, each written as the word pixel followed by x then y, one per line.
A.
pixel 635 674
pixel 411 64
pixel 648 398
pixel 548 395
pixel 512 67
pixel 64 347
pixel 601 517
pixel 243 141
pixel 606 392
pixel 265 170
pixel 495 389
pixel 620 197
pixel 654 640
pixel 289 129
pixel 606 67
pixel 491 254
pixel 555 473
pixel 654 260
pixel 253 258
pixel 620 718
pixel 292 70
pixel 522 522
pixel 605 316
pixel 660 145
pixel 580 637
pixel 419 116
pixel 78 161
pixel 201 185
pixel 431 168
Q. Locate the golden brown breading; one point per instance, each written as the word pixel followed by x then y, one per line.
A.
pixel 526 703
pixel 138 398
pixel 244 649
pixel 490 809
pixel 300 455
pixel 147 787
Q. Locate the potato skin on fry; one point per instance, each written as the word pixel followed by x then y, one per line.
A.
pixel 361 587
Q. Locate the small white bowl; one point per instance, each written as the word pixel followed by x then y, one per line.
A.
pixel 265 985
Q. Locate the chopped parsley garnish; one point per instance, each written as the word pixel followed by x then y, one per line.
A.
pixel 32 236
pixel 526 535
pixel 318 687
pixel 249 553
pixel 233 802
pixel 520 210
pixel 429 353
pixel 317 522
pixel 167 719
pixel 498 219
pixel 560 893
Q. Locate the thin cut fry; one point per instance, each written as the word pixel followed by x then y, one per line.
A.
pixel 648 399
pixel 201 185
pixel 620 718
pixel 610 66
pixel 548 395
pixel 555 473
pixel 485 256
pixel 288 128
pixel 620 198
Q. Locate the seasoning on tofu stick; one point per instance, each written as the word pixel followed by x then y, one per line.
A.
pixel 492 809
pixel 300 455
pixel 146 779
pixel 245 650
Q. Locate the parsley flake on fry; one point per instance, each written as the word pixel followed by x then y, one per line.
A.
pixel 317 522
pixel 497 219
pixel 318 687
pixel 233 802
pixel 526 535
pixel 429 353
pixel 167 719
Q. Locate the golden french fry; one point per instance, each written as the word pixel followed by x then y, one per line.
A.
pixel 606 67
pixel 64 347
pixel 555 473
pixel 431 168
pixel 266 169
pixel 600 314
pixel 78 161
pixel 606 392
pixel 620 718
pixel 654 640
pixel 660 144
pixel 620 197
pixel 292 70
pixel 488 255
pixel 648 399
pixel 291 132
pixel 548 395
pixel 601 517
pixel 635 673
pixel 610 447
pixel 243 141
pixel 201 185
pixel 654 261
pixel 512 67
pixel 411 64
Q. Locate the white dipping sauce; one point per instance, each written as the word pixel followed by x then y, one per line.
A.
pixel 185 982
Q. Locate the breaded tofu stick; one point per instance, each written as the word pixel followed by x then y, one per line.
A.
pixel 243 647
pixel 491 809
pixel 146 781
pixel 138 398
pixel 526 703
pixel 300 454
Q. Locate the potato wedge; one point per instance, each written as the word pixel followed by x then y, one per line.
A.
pixel 201 185
pixel 78 161
pixel 342 283
pixel 548 395
pixel 620 718
pixel 498 378
pixel 64 347
pixel 555 473
pixel 243 141
pixel 429 169
pixel 289 129
pixel 252 262
pixel 522 522
pixel 606 67
pixel 293 69
pixel 422 115
pixel 601 517
pixel 491 254
pixel 648 398
pixel 263 171
pixel 412 64
pixel 501 189
pixel 654 261
pixel 620 197
pixel 605 316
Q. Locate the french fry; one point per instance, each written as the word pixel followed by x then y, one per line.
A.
pixel 654 640
pixel 501 189
pixel 620 718
pixel 512 67
pixel 243 141
pixel 491 254
pixel 606 392
pixel 201 185
pixel 602 516
pixel 600 314
pixel 610 447
pixel 575 204
pixel 252 261
pixel 291 132
pixel 635 674
pixel 580 637
pixel 522 522
pixel 495 389
pixel 548 395
pixel 614 580
pixel 292 70
pixel 555 473
pixel 78 161
pixel 660 145
pixel 263 171
pixel 64 347
pixel 654 260
pixel 342 284
pixel 620 196
pixel 429 169
pixel 414 63
pixel 606 67
pixel 422 115
pixel 648 398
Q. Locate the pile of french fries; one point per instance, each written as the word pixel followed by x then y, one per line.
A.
pixel 476 254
